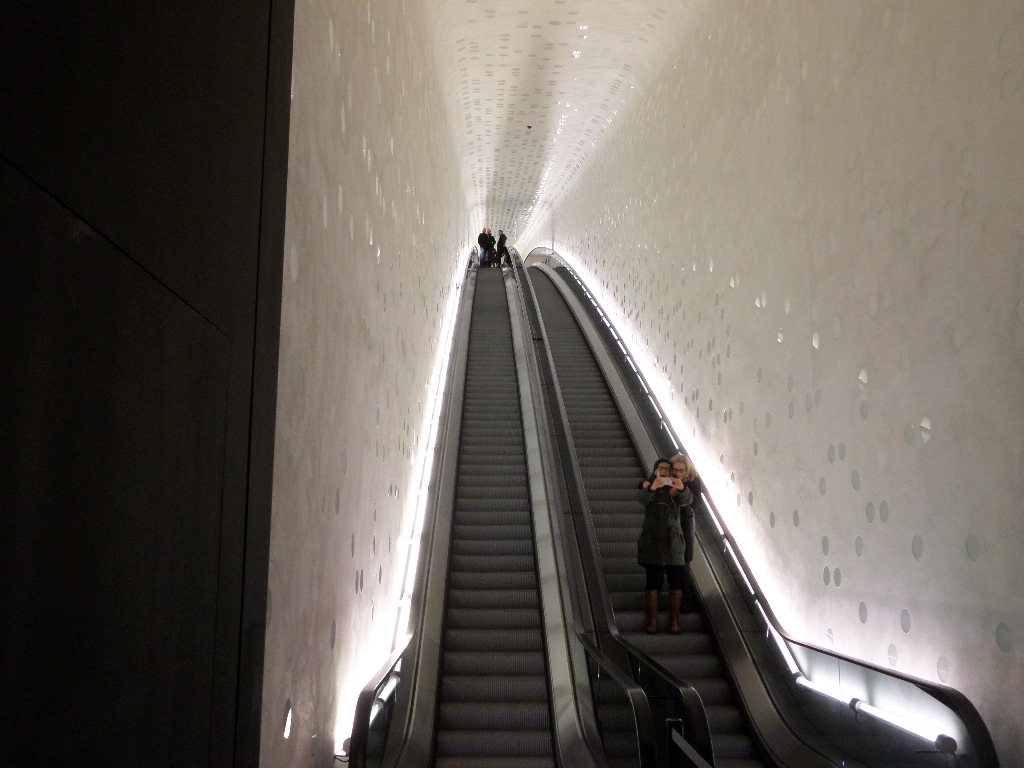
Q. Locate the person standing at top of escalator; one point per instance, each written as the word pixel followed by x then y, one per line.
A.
pixel 490 249
pixel 484 241
pixel 661 548
pixel 502 250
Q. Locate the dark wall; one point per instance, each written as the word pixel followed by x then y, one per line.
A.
pixel 143 161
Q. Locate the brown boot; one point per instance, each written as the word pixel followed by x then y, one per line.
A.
pixel 675 602
pixel 651 597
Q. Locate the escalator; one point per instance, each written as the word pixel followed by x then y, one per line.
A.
pixel 493 705
pixel 611 472
pixel 500 668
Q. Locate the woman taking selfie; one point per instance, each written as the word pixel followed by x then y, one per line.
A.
pixel 661 548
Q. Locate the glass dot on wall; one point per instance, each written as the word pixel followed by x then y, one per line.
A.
pixel 815 341
pixel 821 486
pixel 862 612
pixel 869 511
pixel 942 668
pixel 830 636
pixel 926 429
pixel 837 576
pixel 893 655
pixel 842 451
pixel 973 546
pixel 858 546
pixel 831 454
pixel 796 518
pixel 824 545
pixel 883 511
pixel 826 575
pixel 855 480
pixel 789 384
pixel 917 547
pixel 771 519
pixel 1004 638
pixel 908 434
pixel 905 620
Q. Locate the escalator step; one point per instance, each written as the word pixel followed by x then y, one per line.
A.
pixel 493 618
pixel 490 532
pixel 497 548
pixel 492 640
pixel 493 663
pixel 497 580
pixel 479 761
pixel 496 716
pixel 495 688
pixel 493 598
pixel 485 563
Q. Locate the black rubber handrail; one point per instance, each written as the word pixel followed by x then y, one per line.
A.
pixel 698 730
pixel 956 701
pixel 643 720
pixel 369 697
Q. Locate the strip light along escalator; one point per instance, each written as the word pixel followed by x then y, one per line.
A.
pixel 493 701
pixel 611 472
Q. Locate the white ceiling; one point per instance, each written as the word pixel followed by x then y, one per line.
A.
pixel 536 86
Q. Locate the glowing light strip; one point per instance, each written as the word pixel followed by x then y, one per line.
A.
pixel 655 406
pixel 736 562
pixel 910 726
pixel 712 515
pixel 824 690
pixel 780 642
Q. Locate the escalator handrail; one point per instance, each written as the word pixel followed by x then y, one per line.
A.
pixel 361 721
pixel 643 720
pixel 587 544
pixel 952 698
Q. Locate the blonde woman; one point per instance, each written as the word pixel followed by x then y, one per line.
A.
pixel 684 472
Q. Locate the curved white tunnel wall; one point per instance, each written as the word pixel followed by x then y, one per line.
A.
pixel 813 227
pixel 813 223
pixel 376 238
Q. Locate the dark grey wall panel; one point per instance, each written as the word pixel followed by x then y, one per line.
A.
pixel 113 400
pixel 147 119
pixel 143 169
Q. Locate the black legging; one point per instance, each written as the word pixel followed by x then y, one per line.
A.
pixel 656 576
